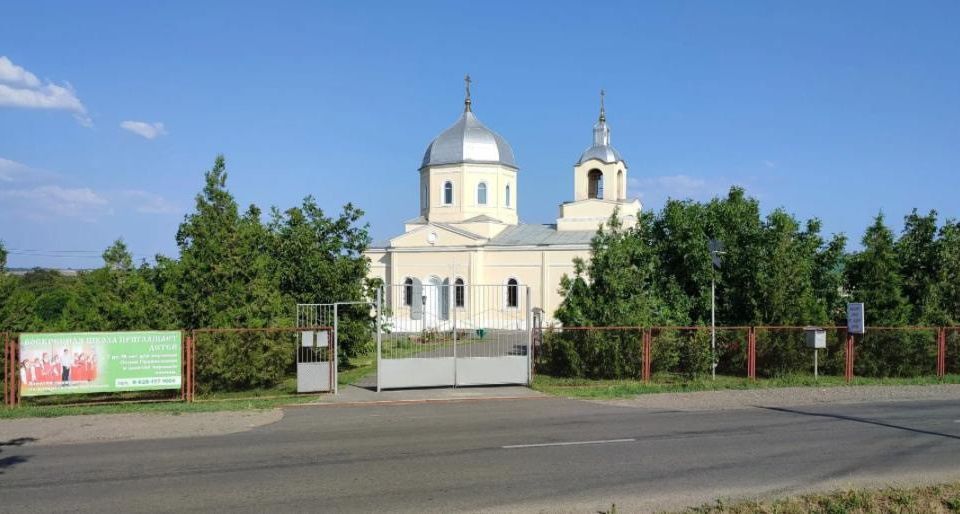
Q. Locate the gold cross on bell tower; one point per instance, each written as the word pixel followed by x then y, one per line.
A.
pixel 466 101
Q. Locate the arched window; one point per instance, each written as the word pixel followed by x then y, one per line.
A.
pixel 458 293
pixel 595 181
pixel 408 291
pixel 512 293
pixel 482 193
pixel 621 191
pixel 507 199
pixel 424 197
pixel 448 193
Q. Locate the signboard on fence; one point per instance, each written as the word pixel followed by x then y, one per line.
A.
pixel 97 362
pixel 855 321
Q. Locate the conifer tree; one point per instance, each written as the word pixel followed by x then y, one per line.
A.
pixel 873 277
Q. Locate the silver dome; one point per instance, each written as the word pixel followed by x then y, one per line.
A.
pixel 468 140
pixel 606 154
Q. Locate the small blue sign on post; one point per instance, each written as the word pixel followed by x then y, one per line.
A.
pixel 855 323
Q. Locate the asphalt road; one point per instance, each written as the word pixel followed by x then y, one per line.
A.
pixel 477 456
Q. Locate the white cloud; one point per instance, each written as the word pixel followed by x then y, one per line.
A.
pixel 15 172
pixel 770 164
pixel 144 129
pixel 20 88
pixel 12 74
pixel 12 171
pixel 149 203
pixel 38 194
pixel 656 190
pixel 43 202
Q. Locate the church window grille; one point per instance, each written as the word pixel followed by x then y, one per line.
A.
pixel 458 293
pixel 513 293
pixel 408 291
pixel 448 193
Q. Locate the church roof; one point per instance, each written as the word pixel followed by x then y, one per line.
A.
pixel 540 235
pixel 468 140
pixel 481 219
pixel 605 153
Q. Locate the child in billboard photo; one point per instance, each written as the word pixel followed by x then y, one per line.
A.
pixel 69 367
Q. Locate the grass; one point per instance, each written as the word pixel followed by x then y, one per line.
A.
pixel 170 407
pixel 933 499
pixel 611 389
pixel 357 368
pixel 162 403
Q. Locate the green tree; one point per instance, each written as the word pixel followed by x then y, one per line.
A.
pixel 873 277
pixel 919 257
pixel 224 277
pixel 118 296
pixel 319 259
pixel 947 289
pixel 617 286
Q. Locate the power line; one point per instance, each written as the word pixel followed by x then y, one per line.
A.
pixel 26 250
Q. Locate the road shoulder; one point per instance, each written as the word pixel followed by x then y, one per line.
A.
pixel 785 397
pixel 134 426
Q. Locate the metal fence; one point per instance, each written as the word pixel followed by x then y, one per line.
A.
pixel 255 362
pixel 746 352
pixel 951 351
pixel 485 336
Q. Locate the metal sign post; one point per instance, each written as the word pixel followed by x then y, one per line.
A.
pixel 716 250
pixel 379 337
pixel 855 325
pixel 816 338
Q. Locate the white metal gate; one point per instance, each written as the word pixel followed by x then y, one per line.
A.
pixel 317 347
pixel 437 333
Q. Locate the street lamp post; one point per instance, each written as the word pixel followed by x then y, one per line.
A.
pixel 716 250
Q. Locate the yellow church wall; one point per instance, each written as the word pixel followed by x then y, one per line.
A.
pixel 465 178
pixel 540 269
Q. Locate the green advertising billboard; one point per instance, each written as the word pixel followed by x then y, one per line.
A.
pixel 97 362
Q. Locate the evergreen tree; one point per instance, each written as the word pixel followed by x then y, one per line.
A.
pixel 947 289
pixel 919 257
pixel 873 277
pixel 224 277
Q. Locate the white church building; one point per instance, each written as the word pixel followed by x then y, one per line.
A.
pixel 468 231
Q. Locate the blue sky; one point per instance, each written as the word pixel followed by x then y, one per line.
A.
pixel 829 109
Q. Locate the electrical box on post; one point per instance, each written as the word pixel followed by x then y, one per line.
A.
pixel 816 337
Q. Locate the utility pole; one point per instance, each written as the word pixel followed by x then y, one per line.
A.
pixel 713 325
pixel 716 250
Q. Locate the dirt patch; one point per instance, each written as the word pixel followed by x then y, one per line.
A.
pixel 125 427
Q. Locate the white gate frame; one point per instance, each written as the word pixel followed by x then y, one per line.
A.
pixel 335 306
pixel 527 329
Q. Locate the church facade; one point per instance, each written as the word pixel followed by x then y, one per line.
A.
pixel 468 232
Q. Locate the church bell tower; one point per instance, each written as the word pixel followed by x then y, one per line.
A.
pixel 599 184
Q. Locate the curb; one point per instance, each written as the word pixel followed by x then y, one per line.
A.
pixel 414 402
